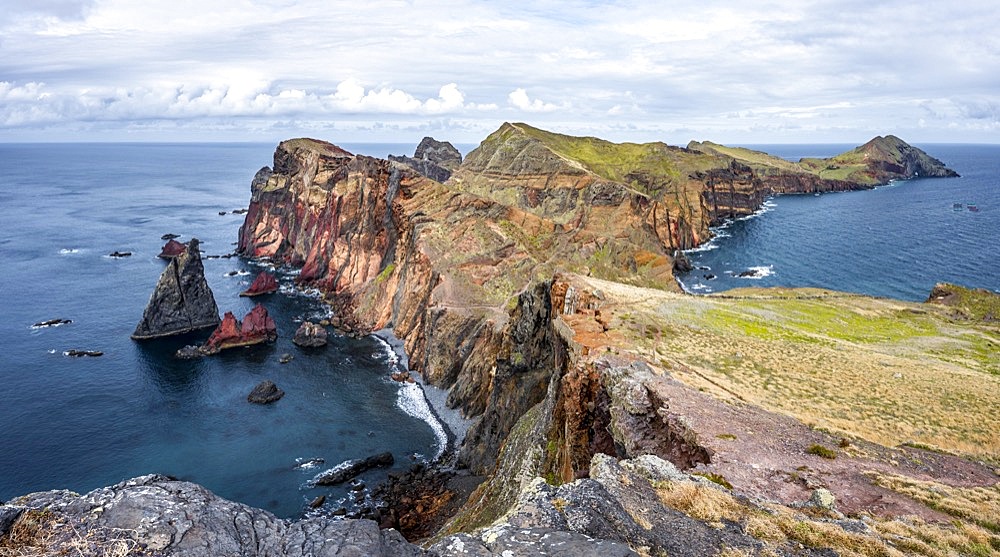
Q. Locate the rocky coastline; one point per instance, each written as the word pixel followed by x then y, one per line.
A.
pixel 535 287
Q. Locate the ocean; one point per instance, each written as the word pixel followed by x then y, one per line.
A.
pixel 894 241
pixel 80 423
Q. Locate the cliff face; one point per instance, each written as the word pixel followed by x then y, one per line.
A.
pixel 448 266
pixel 752 176
pixel 444 266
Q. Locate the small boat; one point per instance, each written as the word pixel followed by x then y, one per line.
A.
pixel 974 208
pixel 957 206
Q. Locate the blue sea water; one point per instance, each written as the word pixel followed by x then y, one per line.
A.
pixel 82 423
pixel 894 241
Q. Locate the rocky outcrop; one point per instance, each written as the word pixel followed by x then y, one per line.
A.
pixel 746 178
pixel 967 303
pixel 264 283
pixel 257 327
pixel 172 249
pixel 310 335
pixel 182 300
pixel 434 159
pixel 349 469
pixel 162 516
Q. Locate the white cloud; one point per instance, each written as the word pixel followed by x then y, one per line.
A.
pixel 778 65
pixel 520 100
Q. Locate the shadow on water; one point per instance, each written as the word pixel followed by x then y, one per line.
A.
pixel 171 375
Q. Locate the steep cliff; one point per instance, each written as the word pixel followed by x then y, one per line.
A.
pixel 440 265
pixel 753 175
pixel 448 266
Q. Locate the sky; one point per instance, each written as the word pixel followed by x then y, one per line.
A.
pixel 749 72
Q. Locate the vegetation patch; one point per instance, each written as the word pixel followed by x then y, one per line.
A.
pixel 980 505
pixel 821 451
pixel 715 478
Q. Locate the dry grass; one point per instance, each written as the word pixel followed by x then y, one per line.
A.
pixel 699 501
pixel 980 505
pixel 882 370
pixel 41 532
pixel 777 525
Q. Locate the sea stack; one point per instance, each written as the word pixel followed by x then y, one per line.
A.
pixel 265 283
pixel 256 327
pixel 182 300
pixel 172 249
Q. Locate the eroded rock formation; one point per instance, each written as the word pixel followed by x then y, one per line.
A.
pixel 265 393
pixel 256 327
pixel 449 266
pixel 434 159
pixel 172 249
pixel 182 300
pixel 263 283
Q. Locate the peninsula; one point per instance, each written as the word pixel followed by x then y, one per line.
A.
pixel 613 414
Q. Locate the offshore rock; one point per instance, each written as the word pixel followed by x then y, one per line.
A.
pixel 265 393
pixel 264 283
pixel 433 159
pixel 182 300
pixel 310 335
pixel 347 470
pixel 172 249
pixel 257 327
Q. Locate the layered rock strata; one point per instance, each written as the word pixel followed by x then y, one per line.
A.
pixel 182 300
pixel 448 266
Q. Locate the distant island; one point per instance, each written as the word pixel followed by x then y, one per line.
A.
pixel 612 414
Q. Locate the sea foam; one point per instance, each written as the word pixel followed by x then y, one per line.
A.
pixel 411 399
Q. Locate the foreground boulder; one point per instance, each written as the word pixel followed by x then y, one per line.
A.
pixel 157 515
pixel 256 327
pixel 310 335
pixel 265 283
pixel 182 300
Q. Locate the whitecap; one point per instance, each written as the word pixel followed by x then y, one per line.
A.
pixel 410 399
pixel 759 272
pixel 68 251
pixel 387 354
pixel 307 463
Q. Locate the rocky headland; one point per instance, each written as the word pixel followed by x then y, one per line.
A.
pixel 612 414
